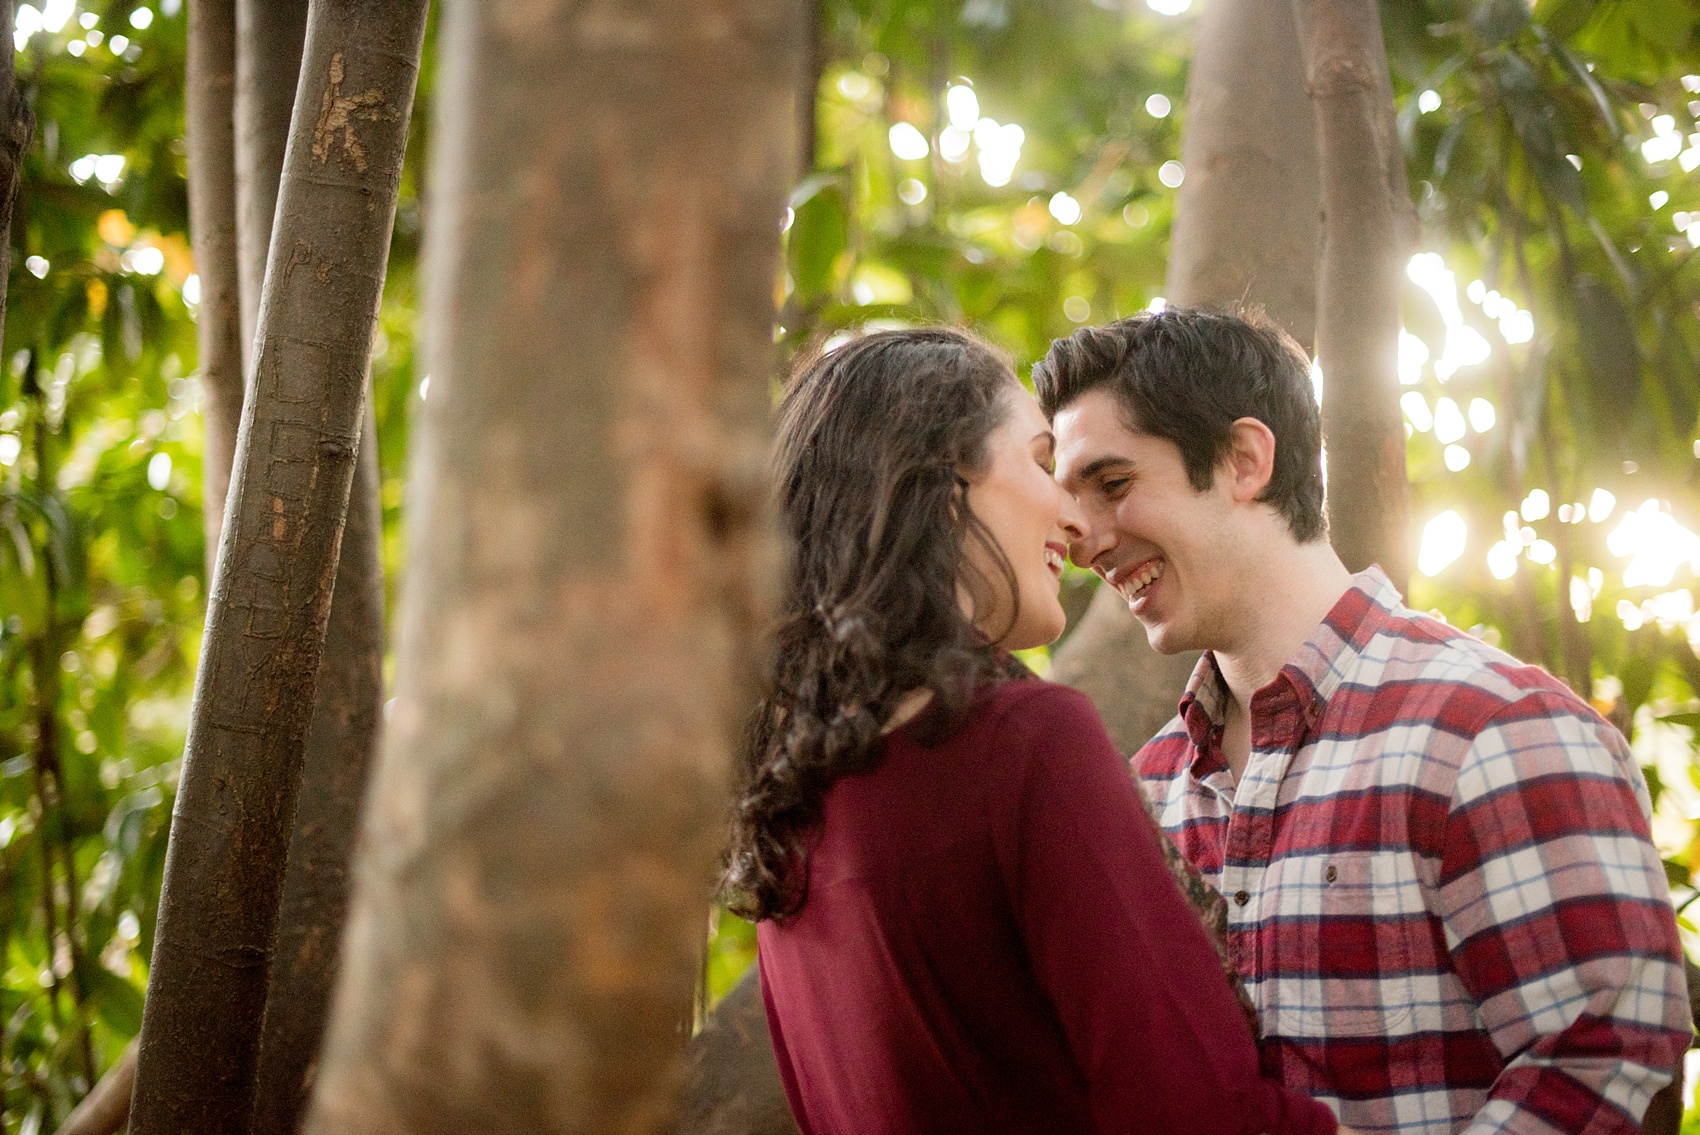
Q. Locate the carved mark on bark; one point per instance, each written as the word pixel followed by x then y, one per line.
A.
pixel 339 112
pixel 1340 74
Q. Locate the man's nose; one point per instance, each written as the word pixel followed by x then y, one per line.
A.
pixel 1085 542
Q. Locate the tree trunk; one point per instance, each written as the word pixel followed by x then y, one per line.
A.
pixel 209 94
pixel 1108 659
pixel 269 36
pixel 588 525
pixel 1246 229
pixel 340 746
pixel 271 592
pixel 106 1108
pixel 1246 218
pixel 17 127
pixel 343 735
pixel 1367 222
pixel 734 1084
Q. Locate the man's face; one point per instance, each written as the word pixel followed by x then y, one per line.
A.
pixel 1165 546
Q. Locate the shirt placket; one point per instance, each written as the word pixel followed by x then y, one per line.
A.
pixel 1278 728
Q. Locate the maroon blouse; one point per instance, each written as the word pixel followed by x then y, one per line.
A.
pixel 991 943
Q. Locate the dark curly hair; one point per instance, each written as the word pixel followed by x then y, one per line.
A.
pixel 876 441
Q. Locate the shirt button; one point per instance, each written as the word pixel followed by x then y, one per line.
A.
pixel 1241 898
pixel 1332 873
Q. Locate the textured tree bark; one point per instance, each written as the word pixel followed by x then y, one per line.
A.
pixel 1368 220
pixel 1246 229
pixel 17 127
pixel 209 95
pixel 734 1084
pixel 1108 659
pixel 271 593
pixel 269 35
pixel 340 748
pixel 1246 218
pixel 589 566
pixel 343 735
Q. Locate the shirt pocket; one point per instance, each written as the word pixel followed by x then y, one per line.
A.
pixel 1342 945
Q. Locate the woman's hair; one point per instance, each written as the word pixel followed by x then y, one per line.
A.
pixel 876 442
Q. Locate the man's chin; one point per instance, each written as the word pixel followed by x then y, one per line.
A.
pixel 1162 637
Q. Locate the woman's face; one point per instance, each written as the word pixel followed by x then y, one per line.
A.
pixel 1031 519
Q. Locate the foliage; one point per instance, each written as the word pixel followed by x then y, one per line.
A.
pixel 101 549
pixel 101 586
pixel 1555 161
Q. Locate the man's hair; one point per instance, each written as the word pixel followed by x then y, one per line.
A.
pixel 1187 374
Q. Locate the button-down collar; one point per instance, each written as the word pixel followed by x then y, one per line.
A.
pixel 1304 684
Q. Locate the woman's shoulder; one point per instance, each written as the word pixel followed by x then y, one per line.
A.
pixel 1031 715
pixel 1034 698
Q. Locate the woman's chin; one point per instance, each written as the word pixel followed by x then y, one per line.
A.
pixel 1036 633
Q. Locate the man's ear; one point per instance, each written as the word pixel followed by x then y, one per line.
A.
pixel 1250 461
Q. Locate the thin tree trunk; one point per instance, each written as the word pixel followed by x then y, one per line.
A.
pixel 271 593
pixel 343 734
pixel 269 36
pixel 588 569
pixel 209 94
pixel 808 90
pixel 17 127
pixel 1246 229
pixel 106 1108
pixel 340 747
pixel 1367 222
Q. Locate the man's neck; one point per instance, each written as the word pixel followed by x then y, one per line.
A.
pixel 1289 594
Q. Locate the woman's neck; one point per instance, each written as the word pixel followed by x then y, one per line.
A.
pixel 909 706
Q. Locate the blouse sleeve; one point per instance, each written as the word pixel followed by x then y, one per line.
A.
pixel 1137 987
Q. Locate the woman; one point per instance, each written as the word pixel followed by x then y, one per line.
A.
pixel 966 924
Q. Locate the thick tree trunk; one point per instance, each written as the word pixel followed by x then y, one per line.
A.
pixel 271 593
pixel 588 523
pixel 734 1084
pixel 209 94
pixel 269 35
pixel 1246 218
pixel 1246 229
pixel 1108 659
pixel 1367 223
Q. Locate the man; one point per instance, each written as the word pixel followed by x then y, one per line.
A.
pixel 1441 889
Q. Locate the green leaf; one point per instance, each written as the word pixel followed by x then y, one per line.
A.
pixel 1537 122
pixel 117 1001
pixel 1499 21
pixel 1564 18
pixel 819 237
pixel 1610 349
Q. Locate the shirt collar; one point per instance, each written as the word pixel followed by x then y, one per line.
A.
pixel 1316 669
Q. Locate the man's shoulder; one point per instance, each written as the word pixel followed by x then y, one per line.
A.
pixel 1418 667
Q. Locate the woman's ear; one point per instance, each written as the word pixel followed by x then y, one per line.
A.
pixel 1250 459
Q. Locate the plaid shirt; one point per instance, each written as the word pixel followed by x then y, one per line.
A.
pixel 1441 890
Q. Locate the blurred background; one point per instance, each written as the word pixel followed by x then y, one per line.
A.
pixel 1009 166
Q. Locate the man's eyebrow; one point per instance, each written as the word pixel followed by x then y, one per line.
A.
pixel 1103 464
